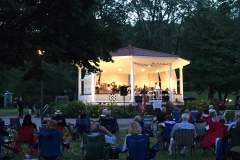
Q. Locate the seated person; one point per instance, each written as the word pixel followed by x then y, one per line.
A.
pixel 109 122
pixel 135 143
pixel 139 120
pixel 50 141
pixel 25 134
pixel 97 129
pixel 182 125
pixel 3 134
pixel 83 123
pixel 233 124
pixel 60 118
pixel 215 130
pixel 133 129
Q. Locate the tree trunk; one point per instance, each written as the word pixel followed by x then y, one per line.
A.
pixel 219 95
pixel 210 92
pixel 225 95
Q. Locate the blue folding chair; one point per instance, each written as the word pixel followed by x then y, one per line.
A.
pixel 167 130
pixel 195 116
pixel 137 146
pixel 148 122
pixel 50 143
pixel 176 115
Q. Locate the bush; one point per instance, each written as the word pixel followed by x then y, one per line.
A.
pixel 72 109
pixel 198 104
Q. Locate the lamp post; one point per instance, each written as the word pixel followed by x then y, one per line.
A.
pixel 41 54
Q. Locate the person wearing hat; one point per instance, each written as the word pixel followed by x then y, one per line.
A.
pixel 233 124
pixel 50 141
pixel 60 119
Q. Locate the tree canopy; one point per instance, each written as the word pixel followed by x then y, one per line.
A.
pixel 80 32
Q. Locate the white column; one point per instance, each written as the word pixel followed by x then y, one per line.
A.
pixel 181 81
pixel 170 84
pixel 132 81
pixel 93 87
pixel 79 82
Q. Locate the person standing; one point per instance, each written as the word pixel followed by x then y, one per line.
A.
pixel 20 107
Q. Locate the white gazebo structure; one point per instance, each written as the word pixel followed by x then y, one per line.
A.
pixel 136 68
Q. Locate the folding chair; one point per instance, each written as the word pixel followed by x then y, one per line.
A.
pixel 15 123
pixel 176 115
pixel 110 124
pixel 148 122
pixel 50 144
pixel 94 147
pixel 137 146
pixel 200 129
pixel 183 138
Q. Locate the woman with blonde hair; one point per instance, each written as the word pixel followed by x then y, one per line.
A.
pixel 133 129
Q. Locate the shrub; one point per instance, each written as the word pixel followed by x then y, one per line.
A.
pixel 72 109
pixel 198 104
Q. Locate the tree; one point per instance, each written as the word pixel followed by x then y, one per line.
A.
pixel 67 31
pixel 209 41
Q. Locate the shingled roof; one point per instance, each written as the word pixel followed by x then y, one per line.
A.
pixel 134 51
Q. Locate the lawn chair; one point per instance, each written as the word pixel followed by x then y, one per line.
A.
pixel 229 115
pixel 176 115
pixel 200 129
pixel 183 138
pixel 148 122
pixel 110 124
pixel 50 144
pixel 195 115
pixel 24 137
pixel 137 146
pixel 166 135
pixel 15 123
pixel 235 143
pixel 94 147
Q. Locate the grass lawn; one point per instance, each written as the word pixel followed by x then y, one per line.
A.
pixel 10 111
pixel 75 153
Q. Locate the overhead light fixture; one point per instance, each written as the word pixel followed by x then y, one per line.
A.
pixel 143 69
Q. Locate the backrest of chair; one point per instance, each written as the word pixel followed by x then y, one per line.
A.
pixel 94 146
pixel 234 135
pixel 50 142
pixel 176 115
pixel 200 128
pixel 195 115
pixel 137 147
pixel 184 137
pixel 168 129
pixel 15 122
pixel 229 115
pixel 110 124
pixel 83 125
pixel 25 134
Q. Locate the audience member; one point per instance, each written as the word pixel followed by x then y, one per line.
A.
pixel 182 125
pixel 97 129
pixel 50 141
pixel 133 129
pixel 83 123
pixel 215 130
pixel 108 121
pixel 25 134
pixel 233 124
pixel 60 118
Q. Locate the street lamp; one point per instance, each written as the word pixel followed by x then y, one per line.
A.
pixel 41 53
